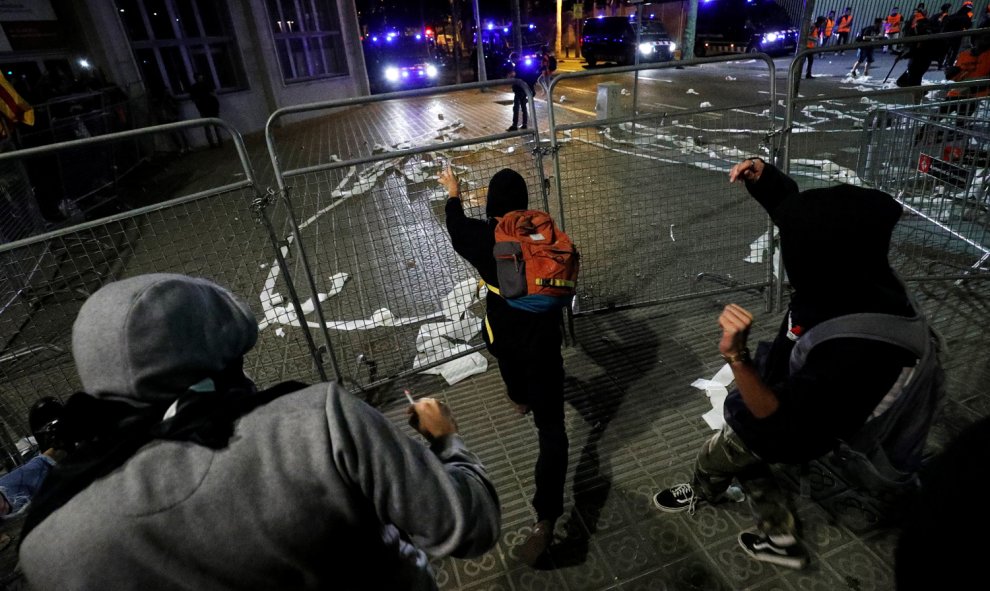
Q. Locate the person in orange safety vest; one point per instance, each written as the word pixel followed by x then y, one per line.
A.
pixel 829 27
pixel 892 25
pixel 844 27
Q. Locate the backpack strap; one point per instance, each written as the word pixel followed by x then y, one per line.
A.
pixel 910 333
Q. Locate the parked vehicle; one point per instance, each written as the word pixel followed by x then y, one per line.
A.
pixel 613 39
pixel 396 61
pixel 737 26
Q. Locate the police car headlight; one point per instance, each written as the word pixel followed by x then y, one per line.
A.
pixel 673 46
pixel 431 71
pixel 646 48
pixel 392 74
pixel 771 37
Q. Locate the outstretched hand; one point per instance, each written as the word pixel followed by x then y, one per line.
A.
pixel 748 170
pixel 448 180
pixel 431 418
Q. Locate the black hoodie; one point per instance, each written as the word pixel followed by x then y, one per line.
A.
pixel 524 332
pixel 834 246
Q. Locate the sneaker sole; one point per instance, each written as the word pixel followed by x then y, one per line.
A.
pixel 795 563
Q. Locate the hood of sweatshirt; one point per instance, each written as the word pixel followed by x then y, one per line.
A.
pixel 147 339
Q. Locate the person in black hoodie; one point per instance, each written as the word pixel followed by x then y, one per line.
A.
pixel 919 56
pixel 834 244
pixel 961 20
pixel 526 344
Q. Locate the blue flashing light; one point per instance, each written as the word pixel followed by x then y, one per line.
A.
pixel 528 61
pixel 531 27
pixel 491 26
pixel 390 39
pixel 374 39
pixel 418 36
pixel 505 29
pixel 601 16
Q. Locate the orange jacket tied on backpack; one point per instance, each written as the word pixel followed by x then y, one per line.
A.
pixel 537 263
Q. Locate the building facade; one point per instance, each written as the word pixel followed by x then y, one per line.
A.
pixel 256 55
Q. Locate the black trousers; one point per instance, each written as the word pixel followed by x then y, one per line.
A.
pixel 519 103
pixel 539 383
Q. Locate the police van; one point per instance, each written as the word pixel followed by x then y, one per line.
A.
pixel 744 26
pixel 613 39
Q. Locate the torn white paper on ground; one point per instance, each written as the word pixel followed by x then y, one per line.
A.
pixel 459 299
pixel 716 389
pixel 459 330
pixel 379 318
pixel 704 105
pixel 459 369
pixel 431 350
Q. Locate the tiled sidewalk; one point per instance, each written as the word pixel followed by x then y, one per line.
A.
pixel 635 426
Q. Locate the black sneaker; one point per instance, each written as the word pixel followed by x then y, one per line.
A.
pixel 524 126
pixel 512 128
pixel 784 551
pixel 675 499
pixel 681 497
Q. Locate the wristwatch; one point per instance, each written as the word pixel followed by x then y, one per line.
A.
pixel 741 356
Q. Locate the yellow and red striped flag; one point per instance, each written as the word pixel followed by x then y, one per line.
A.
pixel 12 106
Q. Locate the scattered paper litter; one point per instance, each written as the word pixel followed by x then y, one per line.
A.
pixel 716 389
pixel 705 105
pixel 692 91
pixel 280 332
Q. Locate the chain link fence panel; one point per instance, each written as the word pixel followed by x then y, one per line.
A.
pixel 642 186
pixel 210 231
pixel 387 290
pixel 875 134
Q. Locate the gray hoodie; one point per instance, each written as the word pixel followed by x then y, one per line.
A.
pixel 316 490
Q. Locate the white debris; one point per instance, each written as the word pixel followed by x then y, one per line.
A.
pixel 563 98
pixel 705 105
pixel 730 78
pixel 280 332
pixel 716 389
pixel 692 91
pixel 624 92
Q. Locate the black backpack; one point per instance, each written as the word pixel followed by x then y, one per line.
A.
pixel 886 453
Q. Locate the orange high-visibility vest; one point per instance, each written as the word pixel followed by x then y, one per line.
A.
pixel 971 67
pixel 894 23
pixel 845 23
pixel 829 25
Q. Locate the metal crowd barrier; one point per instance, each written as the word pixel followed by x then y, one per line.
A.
pixel 915 143
pixel 389 295
pixel 660 225
pixel 936 160
pixel 213 232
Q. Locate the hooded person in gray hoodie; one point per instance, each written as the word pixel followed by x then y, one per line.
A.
pixel 526 344
pixel 187 477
